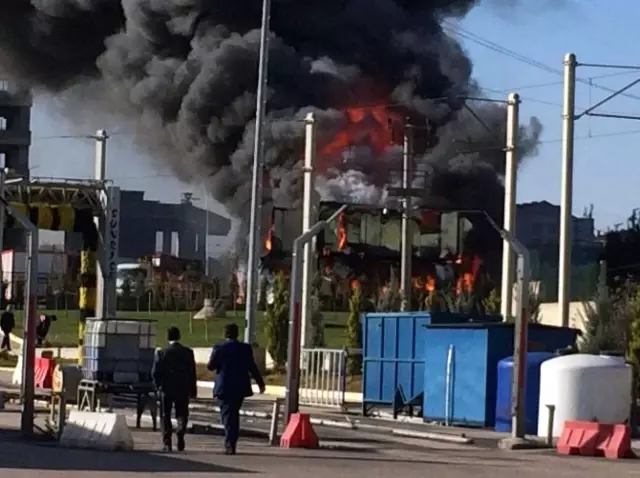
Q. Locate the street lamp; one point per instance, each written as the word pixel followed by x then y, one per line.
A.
pixel 256 182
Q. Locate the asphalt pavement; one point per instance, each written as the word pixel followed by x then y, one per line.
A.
pixel 203 456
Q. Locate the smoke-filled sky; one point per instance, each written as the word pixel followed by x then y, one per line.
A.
pixel 191 102
pixel 183 74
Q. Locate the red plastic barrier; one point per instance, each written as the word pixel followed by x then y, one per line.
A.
pixel 43 372
pixel 595 439
pixel 299 433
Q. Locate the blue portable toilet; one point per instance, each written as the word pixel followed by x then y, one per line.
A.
pixel 532 392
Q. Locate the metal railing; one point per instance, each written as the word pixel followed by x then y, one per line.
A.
pixel 323 377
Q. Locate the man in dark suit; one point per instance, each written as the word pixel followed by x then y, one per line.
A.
pixel 234 364
pixel 7 324
pixel 174 375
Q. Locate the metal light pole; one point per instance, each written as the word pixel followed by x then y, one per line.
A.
pixel 407 207
pixel 293 351
pixel 29 328
pixel 510 185
pixel 566 204
pixel 520 332
pixel 206 234
pixel 3 177
pixel 256 182
pixel 520 343
pixel 103 309
pixel 307 212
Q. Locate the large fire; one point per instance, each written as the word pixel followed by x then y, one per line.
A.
pixel 371 126
pixel 341 233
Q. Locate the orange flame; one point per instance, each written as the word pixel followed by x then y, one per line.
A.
pixel 467 279
pixel 372 126
pixel 341 232
pixel 427 284
pixel 268 240
pixel 430 286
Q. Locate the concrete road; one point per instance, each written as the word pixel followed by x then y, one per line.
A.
pixel 203 456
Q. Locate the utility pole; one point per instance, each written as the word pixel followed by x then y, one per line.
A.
pixel 255 246
pixel 407 213
pixel 510 186
pixel 569 117
pixel 3 177
pixel 566 204
pixel 206 234
pixel 307 212
pixel 103 308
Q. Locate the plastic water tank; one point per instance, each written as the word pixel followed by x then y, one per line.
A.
pixel 584 387
pixel 532 391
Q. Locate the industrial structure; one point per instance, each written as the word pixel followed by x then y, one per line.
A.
pixel 143 222
pixel 15 140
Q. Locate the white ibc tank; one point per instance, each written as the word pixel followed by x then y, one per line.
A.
pixel 584 387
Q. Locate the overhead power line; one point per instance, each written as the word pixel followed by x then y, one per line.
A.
pixel 472 37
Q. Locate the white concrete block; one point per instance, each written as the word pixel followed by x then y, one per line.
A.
pixel 97 431
pixel 16 378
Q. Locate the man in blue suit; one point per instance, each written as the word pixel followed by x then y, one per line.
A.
pixel 234 364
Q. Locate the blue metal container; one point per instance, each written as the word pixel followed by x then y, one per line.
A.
pixel 532 392
pixel 467 395
pixel 393 356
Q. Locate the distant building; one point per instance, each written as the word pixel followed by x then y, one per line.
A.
pixel 538 229
pixel 15 127
pixel 15 140
pixel 538 224
pixel 147 227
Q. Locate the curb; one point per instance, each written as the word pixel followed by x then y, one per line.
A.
pixel 357 425
pixel 279 391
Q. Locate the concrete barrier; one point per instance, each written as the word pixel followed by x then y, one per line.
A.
pixel 16 378
pixel 97 431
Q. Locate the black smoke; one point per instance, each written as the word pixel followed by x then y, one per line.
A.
pixel 183 74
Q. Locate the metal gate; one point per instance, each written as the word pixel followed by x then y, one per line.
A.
pixel 323 377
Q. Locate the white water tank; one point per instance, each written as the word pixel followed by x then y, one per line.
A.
pixel 584 387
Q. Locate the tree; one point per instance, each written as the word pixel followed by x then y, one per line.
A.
pixel 317 320
pixel 354 329
pixel 492 302
pixel 277 322
pixel 606 321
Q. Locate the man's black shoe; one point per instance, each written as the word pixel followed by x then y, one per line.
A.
pixel 229 451
pixel 181 444
pixel 167 448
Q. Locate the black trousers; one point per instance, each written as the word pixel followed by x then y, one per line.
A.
pixel 230 417
pixel 6 341
pixel 179 403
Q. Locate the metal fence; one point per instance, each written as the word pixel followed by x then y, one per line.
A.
pixel 323 377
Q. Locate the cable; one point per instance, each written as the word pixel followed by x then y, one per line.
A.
pixel 517 56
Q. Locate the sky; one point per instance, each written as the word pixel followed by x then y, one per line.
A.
pixel 514 49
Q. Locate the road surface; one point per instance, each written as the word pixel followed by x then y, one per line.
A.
pixel 203 456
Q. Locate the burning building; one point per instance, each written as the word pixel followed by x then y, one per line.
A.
pixel 182 76
pixel 455 251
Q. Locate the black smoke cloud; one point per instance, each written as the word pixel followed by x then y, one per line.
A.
pixel 183 74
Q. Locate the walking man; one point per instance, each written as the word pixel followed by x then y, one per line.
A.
pixel 174 375
pixel 234 364
pixel 7 324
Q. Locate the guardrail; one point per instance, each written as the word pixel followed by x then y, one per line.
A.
pixel 323 377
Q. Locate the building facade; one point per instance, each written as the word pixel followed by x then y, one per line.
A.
pixel 148 227
pixel 538 223
pixel 538 229
pixel 15 140
pixel 15 127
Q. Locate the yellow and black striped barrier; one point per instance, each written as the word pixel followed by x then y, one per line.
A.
pixel 67 218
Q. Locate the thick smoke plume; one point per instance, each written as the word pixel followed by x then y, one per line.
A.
pixel 183 74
